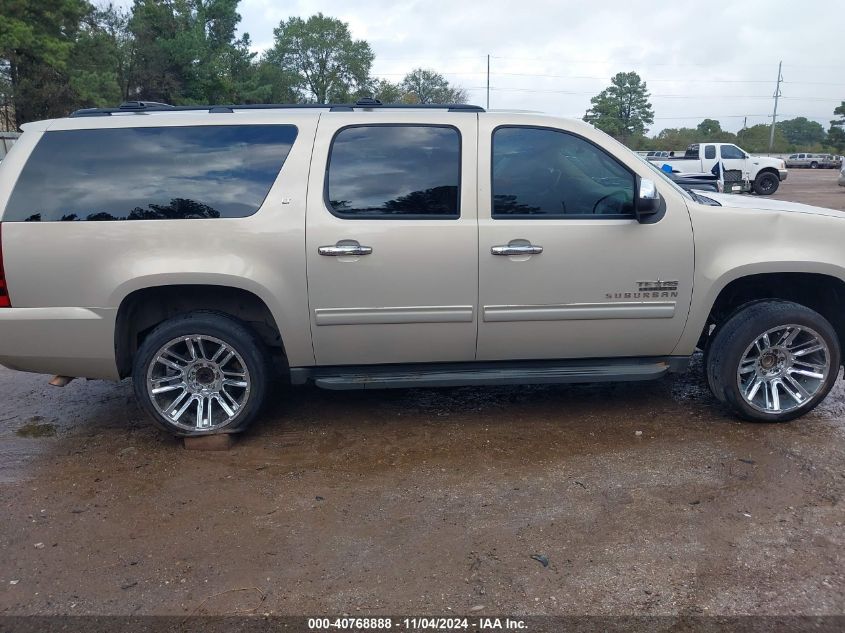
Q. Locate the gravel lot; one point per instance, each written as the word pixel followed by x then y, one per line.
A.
pixel 645 498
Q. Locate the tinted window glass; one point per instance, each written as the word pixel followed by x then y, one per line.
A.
pixel 546 173
pixel 150 173
pixel 731 151
pixel 395 171
pixel 709 151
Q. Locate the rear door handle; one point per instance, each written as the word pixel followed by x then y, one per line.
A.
pixel 509 250
pixel 345 248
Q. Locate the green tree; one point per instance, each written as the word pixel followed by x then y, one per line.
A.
pixel 101 58
pixel 36 40
pixel 266 82
pixel 622 109
pixel 709 128
pixel 426 86
pixel 674 139
pixel 384 90
pixel 756 139
pixel 836 133
pixel 320 51
pixel 186 51
pixel 801 131
pixel 7 111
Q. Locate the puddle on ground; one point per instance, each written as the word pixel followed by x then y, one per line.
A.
pixel 36 428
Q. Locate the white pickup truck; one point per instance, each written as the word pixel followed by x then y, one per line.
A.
pixel 763 173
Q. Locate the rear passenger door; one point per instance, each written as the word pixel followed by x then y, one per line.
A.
pixel 392 238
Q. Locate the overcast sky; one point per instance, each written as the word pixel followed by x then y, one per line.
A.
pixel 708 58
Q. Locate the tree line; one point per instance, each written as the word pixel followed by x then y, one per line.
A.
pixel 60 55
pixel 624 111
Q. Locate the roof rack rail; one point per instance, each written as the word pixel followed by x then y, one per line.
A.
pixel 144 107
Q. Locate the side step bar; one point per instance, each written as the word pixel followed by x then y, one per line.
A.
pixel 486 373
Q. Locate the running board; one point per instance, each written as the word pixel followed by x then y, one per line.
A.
pixel 481 373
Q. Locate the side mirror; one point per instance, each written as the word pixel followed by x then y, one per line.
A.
pixel 648 200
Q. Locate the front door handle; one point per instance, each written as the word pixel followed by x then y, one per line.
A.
pixel 509 250
pixel 345 248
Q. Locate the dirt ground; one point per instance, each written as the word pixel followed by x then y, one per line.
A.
pixel 813 186
pixel 645 498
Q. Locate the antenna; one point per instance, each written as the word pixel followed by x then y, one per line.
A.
pixel 488 81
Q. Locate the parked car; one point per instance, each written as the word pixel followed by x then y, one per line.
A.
pixel 656 155
pixel 831 162
pixel 842 176
pixel 764 174
pixel 202 251
pixel 811 161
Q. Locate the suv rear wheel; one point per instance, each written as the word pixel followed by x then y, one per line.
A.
pixel 773 361
pixel 201 373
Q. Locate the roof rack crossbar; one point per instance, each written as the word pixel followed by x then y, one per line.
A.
pixel 143 107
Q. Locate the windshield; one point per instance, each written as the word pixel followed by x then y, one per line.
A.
pixel 666 178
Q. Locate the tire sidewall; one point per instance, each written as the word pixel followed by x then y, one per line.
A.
pixel 739 332
pixel 233 333
pixel 758 184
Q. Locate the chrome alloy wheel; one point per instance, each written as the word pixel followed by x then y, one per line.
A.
pixel 783 369
pixel 198 383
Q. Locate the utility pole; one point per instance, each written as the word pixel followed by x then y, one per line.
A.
pixel 488 81
pixel 775 112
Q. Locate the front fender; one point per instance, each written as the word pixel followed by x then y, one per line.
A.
pixel 731 243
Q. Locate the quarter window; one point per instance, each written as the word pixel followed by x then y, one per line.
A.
pixel 395 171
pixel 546 173
pixel 150 173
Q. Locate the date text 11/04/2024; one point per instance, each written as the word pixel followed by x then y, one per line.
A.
pixel 418 624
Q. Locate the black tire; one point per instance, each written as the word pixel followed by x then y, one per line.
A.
pixel 814 165
pixel 741 330
pixel 766 183
pixel 226 329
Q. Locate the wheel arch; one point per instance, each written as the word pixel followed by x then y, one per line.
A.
pixel 144 308
pixel 819 291
pixel 768 170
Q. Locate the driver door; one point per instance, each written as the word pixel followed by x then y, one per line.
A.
pixel 565 271
pixel 734 159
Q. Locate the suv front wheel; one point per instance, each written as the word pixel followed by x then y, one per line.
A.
pixel 773 361
pixel 201 373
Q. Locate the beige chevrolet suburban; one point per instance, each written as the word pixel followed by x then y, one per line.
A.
pixel 206 251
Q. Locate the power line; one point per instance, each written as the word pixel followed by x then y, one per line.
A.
pixel 725 81
pixel 645 64
pixel 612 61
pixel 603 78
pixel 660 96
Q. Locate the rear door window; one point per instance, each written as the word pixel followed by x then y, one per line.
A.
pixel 395 172
pixel 150 173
